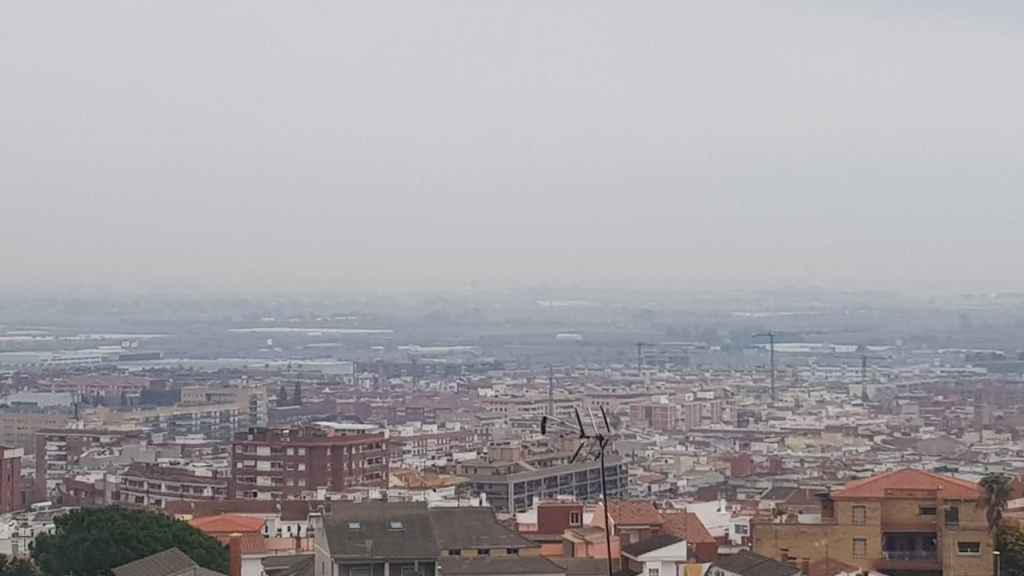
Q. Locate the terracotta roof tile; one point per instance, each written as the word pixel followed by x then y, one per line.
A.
pixel 910 479
pixel 228 523
pixel 687 526
pixel 634 512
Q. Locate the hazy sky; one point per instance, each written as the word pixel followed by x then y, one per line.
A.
pixel 246 145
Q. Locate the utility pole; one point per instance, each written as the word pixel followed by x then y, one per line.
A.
pixel 551 391
pixel 771 357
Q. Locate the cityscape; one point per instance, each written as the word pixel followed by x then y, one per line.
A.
pixel 781 437
pixel 511 288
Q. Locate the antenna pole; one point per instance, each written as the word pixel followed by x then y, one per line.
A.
pixel 551 391
pixel 607 524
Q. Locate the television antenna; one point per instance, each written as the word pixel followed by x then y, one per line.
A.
pixel 597 443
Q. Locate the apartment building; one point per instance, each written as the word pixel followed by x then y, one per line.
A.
pixel 153 485
pixel 513 479
pixel 283 463
pixel 58 450
pixel 906 522
pixel 10 479
pixel 18 425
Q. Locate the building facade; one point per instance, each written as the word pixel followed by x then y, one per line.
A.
pixel 906 522
pixel 291 463
pixel 10 479
pixel 513 484
pixel 153 485
pixel 58 449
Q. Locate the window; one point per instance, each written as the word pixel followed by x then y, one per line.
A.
pixel 455 552
pixel 359 571
pixel 968 548
pixel 860 547
pixel 395 525
pixel 483 552
pixel 926 511
pixel 859 513
pixel 354 526
pixel 653 572
pixel 512 551
pixel 952 517
pixel 575 519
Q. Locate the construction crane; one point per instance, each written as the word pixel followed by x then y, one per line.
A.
pixel 864 374
pixel 640 355
pixel 771 357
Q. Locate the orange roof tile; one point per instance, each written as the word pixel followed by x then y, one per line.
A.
pixel 634 512
pixel 228 523
pixel 909 479
pixel 686 525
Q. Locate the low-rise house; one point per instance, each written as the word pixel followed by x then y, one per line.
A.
pixel 377 539
pixel 747 563
pixel 661 555
pixel 171 562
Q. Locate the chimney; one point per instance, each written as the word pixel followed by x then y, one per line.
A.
pixel 235 555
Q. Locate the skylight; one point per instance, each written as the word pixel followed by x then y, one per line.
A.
pixel 354 526
pixel 395 525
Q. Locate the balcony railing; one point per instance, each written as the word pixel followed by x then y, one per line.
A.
pixel 911 555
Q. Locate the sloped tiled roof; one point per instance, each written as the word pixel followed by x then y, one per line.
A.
pixel 686 525
pixel 364 531
pixel 498 565
pixel 171 562
pixel 910 479
pixel 747 563
pixel 646 545
pixel 458 528
pixel 228 523
pixel 289 565
pixel 634 512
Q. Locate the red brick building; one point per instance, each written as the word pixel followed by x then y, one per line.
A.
pixel 287 463
pixel 10 479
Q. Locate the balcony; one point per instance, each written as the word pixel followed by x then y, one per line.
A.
pixel 909 551
pixel 911 555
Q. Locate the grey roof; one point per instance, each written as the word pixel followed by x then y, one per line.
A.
pixel 364 531
pixel 583 566
pixel 458 528
pixel 289 565
pixel 748 563
pixel 779 493
pixel 646 545
pixel 171 562
pixel 498 565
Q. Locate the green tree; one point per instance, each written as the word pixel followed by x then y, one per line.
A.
pixel 997 493
pixel 89 542
pixel 1010 543
pixel 16 567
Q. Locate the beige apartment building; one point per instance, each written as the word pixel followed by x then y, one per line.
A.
pixel 902 523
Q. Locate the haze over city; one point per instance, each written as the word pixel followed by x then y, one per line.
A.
pixel 247 146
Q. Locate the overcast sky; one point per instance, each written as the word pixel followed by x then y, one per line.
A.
pixel 248 145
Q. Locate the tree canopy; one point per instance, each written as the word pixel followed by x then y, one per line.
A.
pixel 1010 543
pixel 997 494
pixel 16 567
pixel 90 542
